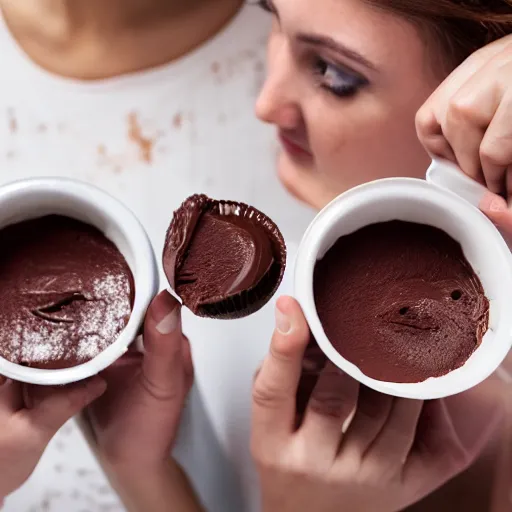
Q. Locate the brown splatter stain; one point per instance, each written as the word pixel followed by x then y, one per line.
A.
pixel 83 472
pixel 248 54
pixel 13 122
pixel 177 120
pixel 102 150
pixel 45 505
pixel 145 144
pixel 215 67
pixel 58 468
pixel 60 446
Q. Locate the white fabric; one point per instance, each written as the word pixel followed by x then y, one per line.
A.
pixel 199 113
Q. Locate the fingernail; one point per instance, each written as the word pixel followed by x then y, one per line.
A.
pixel 498 205
pixel 492 202
pixel 165 312
pixel 283 323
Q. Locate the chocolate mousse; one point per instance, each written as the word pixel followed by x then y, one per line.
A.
pixel 224 259
pixel 400 301
pixel 66 292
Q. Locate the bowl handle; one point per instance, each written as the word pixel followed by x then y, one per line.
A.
pixel 447 175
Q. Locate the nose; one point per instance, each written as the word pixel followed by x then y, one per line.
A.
pixel 278 100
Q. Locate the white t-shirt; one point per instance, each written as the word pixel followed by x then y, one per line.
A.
pixel 152 139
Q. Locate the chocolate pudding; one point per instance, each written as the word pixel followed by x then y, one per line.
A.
pixel 400 301
pixel 66 292
pixel 224 259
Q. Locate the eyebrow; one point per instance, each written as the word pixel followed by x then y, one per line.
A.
pixel 331 44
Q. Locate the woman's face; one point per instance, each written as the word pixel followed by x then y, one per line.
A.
pixel 345 81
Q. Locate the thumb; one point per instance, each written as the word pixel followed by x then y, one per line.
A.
pixel 275 386
pixel 163 366
pixel 50 407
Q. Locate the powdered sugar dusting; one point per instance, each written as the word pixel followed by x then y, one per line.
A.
pixel 96 324
pixel 66 293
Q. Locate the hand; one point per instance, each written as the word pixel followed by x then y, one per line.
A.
pixel 134 424
pixel 29 417
pixel 392 453
pixel 467 119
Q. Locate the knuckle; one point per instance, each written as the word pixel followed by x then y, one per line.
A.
pixel 266 395
pixel 76 400
pixel 265 459
pixel 159 393
pixel 423 119
pixel 461 108
pixel 329 404
pixel 492 152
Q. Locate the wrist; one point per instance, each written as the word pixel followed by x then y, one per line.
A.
pixel 153 487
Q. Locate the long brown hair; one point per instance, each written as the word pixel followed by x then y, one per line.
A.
pixel 459 26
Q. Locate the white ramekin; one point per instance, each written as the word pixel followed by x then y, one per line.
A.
pixel 428 202
pixel 32 198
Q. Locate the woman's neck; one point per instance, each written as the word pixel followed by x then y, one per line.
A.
pixel 93 39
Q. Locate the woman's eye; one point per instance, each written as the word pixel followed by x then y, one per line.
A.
pixel 265 5
pixel 338 81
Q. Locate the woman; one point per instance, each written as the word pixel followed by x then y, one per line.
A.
pixel 352 103
pixel 345 82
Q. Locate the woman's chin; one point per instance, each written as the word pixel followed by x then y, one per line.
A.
pixel 303 183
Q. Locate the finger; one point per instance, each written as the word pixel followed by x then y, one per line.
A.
pixel 496 147
pixel 474 413
pixel 390 449
pixel 373 410
pixel 465 138
pixel 430 134
pixel 11 398
pixel 53 406
pixel 332 401
pixel 162 367
pixel 496 209
pixel 312 364
pixel 433 113
pixel 187 363
pixel 508 183
pixel 275 388
pixel 3 380
pixel 470 112
pixel 438 453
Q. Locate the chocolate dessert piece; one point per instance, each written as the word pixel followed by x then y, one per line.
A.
pixel 224 259
pixel 400 301
pixel 66 292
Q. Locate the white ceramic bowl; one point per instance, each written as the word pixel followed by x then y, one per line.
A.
pixel 416 200
pixel 32 198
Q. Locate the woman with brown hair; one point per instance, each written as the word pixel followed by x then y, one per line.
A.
pixel 346 82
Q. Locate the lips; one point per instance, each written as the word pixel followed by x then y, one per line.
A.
pixel 294 146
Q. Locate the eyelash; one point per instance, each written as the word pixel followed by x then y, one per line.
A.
pixel 265 5
pixel 352 83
